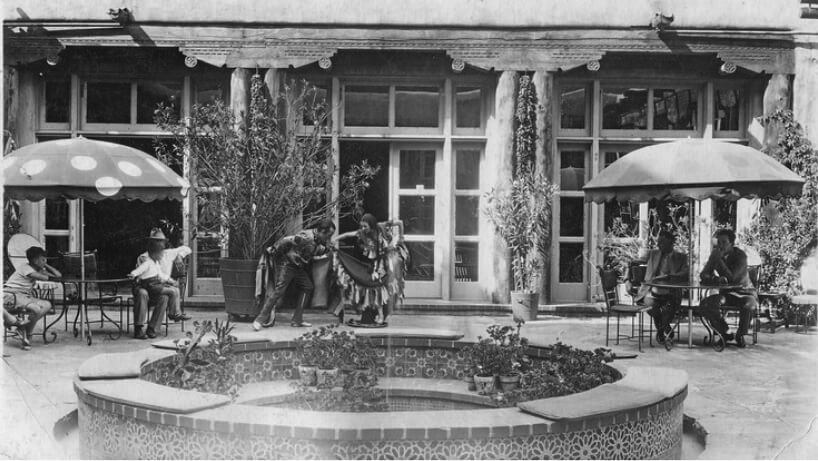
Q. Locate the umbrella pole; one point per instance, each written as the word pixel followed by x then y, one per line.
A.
pixel 80 294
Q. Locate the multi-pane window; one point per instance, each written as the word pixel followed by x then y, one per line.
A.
pixel 129 102
pixel 624 108
pixel 727 109
pixel 366 105
pixel 573 105
pixel 643 108
pixel 468 105
pixel 674 109
pixel 408 107
pixel 466 214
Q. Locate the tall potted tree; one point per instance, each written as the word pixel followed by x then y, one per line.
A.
pixel 521 212
pixel 258 175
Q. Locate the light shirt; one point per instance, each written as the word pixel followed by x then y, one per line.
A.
pixel 149 269
pixel 165 263
pixel 21 280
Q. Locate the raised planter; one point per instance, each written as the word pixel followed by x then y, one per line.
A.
pixel 639 416
pixel 239 286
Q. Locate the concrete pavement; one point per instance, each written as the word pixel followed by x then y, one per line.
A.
pixel 757 403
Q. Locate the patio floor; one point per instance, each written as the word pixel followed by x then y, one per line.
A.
pixel 757 403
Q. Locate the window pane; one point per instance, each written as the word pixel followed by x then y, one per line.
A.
pixel 622 217
pixel 674 109
pixel 572 210
pixel 421 261
pixel 150 94
pixel 468 169
pixel 466 214
pixel 727 109
pixel 317 100
pixel 465 262
pixel 624 108
pixel 571 262
pixel 207 92
pixel 467 105
pixel 54 245
pixel 572 170
pixel 418 214
pixel 56 214
pixel 57 100
pixel 572 108
pixel 417 106
pixel 208 253
pixel 417 167
pixel 108 102
pixel 366 106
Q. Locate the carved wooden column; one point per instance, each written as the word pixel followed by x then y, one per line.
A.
pixel 499 154
pixel 544 83
pixel 240 92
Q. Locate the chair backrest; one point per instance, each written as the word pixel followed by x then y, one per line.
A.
pixel 72 268
pixel 17 246
pixel 609 279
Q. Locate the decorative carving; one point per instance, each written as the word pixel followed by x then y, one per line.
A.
pixel 191 61
pixel 325 62
pixel 728 67
pixel 458 65
pixel 52 59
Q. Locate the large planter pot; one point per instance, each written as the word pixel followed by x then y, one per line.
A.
pixel 524 305
pixel 484 384
pixel 326 378
pixel 307 375
pixel 469 380
pixel 239 286
pixel 509 382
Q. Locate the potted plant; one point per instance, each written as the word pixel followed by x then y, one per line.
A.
pixel 483 360
pixel 327 343
pixel 511 361
pixel 307 352
pixel 521 211
pixel 258 175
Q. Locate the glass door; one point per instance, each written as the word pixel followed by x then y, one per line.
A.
pixel 416 181
pixel 465 264
pixel 570 272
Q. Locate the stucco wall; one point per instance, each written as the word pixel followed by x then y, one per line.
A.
pixel 745 14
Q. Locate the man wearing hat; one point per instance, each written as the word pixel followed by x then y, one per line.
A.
pixel 157 262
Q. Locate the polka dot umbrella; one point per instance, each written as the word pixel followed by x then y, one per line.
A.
pixel 86 169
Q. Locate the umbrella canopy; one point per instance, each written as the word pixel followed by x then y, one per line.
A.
pixel 88 169
pixel 694 169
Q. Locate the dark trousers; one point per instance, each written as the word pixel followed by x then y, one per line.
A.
pixel 663 308
pixel 286 274
pixel 141 298
pixel 710 308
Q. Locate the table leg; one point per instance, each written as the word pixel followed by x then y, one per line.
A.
pixel 689 326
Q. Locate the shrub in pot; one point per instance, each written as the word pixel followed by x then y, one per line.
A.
pixel 271 173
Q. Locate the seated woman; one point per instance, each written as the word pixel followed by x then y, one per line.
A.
pixel 374 283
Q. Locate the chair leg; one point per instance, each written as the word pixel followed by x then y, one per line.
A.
pixel 617 328
pixel 607 328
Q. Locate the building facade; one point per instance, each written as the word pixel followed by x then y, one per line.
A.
pixel 427 91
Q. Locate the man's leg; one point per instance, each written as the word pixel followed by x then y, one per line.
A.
pixel 710 310
pixel 305 287
pixel 158 315
pixel 140 311
pixel 284 275
pixel 747 306
pixel 173 301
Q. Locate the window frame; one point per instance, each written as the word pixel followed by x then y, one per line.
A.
pixel 391 128
pixel 132 126
pixel 698 87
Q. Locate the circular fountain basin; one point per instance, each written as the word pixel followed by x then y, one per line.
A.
pixel 123 413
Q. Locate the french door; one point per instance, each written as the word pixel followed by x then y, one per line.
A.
pixel 417 181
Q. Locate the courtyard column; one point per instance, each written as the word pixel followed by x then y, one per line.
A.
pixel 498 168
pixel 240 92
pixel 805 86
pixel 544 155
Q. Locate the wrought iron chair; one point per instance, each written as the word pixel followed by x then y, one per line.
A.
pixel 609 280
pixel 180 274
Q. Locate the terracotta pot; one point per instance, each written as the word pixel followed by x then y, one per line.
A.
pixel 484 384
pixel 509 382
pixel 326 378
pixel 306 374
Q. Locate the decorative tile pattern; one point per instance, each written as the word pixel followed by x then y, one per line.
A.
pixel 106 435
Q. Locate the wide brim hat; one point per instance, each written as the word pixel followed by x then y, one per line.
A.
pixel 157 234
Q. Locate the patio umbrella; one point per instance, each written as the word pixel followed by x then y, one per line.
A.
pixel 85 169
pixel 693 169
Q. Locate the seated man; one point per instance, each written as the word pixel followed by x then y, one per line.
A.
pixel 728 264
pixel 664 264
pixel 20 285
pixel 291 255
pixel 155 284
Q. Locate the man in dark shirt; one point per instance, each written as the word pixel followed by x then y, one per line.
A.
pixel 728 264
pixel 292 253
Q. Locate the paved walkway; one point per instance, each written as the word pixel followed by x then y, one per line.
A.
pixel 756 403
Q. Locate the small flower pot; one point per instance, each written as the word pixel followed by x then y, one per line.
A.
pixel 485 384
pixel 326 378
pixel 509 382
pixel 469 380
pixel 306 374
